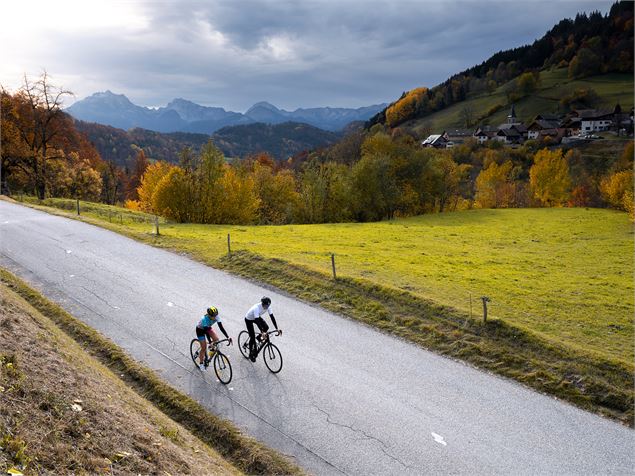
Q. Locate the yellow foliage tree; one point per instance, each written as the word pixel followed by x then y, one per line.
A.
pixel 277 194
pixel 617 189
pixel 549 177
pixel 151 178
pixel 172 196
pixel 73 178
pixel 238 200
pixel 494 187
pixel 406 107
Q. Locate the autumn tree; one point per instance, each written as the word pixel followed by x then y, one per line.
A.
pixel 549 177
pixel 171 196
pixel 41 124
pixel 407 106
pixel 149 182
pixel 494 185
pixel 585 63
pixel 238 201
pixel 139 168
pixel 206 195
pixel 277 194
pixel 450 177
pixel 617 190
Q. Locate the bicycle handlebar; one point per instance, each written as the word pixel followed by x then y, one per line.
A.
pixel 224 340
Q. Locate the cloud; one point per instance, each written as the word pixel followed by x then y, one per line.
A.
pixel 293 54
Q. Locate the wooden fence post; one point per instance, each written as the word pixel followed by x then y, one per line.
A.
pixel 78 206
pixel 485 301
pixel 156 225
pixel 229 245
pixel 333 264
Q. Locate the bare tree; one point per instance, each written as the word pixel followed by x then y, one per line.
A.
pixel 41 122
pixel 467 115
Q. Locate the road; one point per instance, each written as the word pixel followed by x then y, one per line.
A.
pixel 349 400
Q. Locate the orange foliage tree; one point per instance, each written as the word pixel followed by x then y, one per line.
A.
pixel 406 107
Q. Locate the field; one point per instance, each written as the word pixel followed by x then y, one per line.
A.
pixel 611 88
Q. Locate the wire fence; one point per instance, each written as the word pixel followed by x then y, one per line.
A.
pixel 111 213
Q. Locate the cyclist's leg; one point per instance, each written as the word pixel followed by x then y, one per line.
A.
pixel 213 335
pixel 200 335
pixel 252 336
pixel 262 325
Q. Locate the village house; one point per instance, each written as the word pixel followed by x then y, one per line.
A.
pixel 577 125
pixel 458 136
pixel 484 133
pixel 438 141
pixel 592 120
pixel 538 125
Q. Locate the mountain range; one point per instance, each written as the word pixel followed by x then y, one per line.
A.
pixel 181 115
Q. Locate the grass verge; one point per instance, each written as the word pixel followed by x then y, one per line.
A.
pixel 586 377
pixel 245 453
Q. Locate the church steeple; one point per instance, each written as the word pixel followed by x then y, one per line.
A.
pixel 511 118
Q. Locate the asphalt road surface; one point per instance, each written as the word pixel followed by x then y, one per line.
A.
pixel 349 400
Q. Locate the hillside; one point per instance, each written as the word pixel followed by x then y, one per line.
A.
pixel 121 147
pixel 62 412
pixel 611 89
pixel 587 46
pixel 279 140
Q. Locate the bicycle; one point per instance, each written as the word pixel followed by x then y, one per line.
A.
pixel 271 354
pixel 222 365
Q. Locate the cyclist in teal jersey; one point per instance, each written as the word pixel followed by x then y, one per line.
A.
pixel 204 331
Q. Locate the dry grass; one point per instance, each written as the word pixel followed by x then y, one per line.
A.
pixel 63 412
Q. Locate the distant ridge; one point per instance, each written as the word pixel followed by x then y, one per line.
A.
pixel 181 115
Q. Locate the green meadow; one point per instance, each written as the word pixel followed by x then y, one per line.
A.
pixel 565 274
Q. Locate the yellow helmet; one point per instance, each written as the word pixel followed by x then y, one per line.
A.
pixel 212 311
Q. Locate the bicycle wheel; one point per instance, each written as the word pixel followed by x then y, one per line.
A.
pixel 243 343
pixel 222 368
pixel 273 358
pixel 195 349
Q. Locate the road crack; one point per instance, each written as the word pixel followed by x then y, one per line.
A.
pixel 383 446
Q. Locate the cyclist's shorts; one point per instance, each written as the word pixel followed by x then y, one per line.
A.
pixel 200 334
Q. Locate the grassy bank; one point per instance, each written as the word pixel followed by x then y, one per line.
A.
pixel 141 439
pixel 63 412
pixel 560 281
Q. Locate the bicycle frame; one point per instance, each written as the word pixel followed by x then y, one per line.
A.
pixel 212 349
pixel 264 341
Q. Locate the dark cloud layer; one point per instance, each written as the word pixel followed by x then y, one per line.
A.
pixel 298 54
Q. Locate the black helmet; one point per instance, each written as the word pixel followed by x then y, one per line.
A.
pixel 265 301
pixel 212 311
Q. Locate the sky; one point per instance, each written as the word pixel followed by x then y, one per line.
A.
pixel 234 53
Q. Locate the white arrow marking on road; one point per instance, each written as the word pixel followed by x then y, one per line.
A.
pixel 170 304
pixel 438 439
pixel 72 275
pixel 68 252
